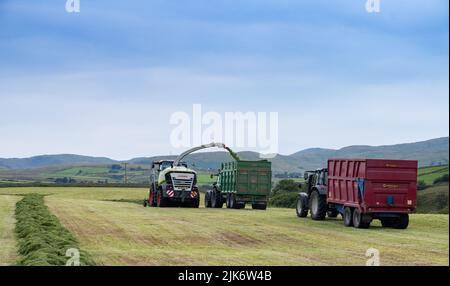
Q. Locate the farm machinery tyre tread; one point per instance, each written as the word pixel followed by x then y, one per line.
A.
pixel 318 206
pixel 208 199
pixel 259 206
pixel 401 222
pixel 216 199
pixel 301 207
pixel 161 201
pixel 360 220
pixel 348 217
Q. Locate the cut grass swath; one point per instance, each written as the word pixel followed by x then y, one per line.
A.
pixel 42 240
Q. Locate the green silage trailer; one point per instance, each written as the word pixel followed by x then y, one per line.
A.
pixel 241 182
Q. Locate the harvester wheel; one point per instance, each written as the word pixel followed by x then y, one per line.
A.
pixel 302 205
pixel 318 206
pixel 348 216
pixel 161 201
pixel 360 220
pixel 401 222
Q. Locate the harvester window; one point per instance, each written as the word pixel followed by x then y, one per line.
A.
pixel 165 165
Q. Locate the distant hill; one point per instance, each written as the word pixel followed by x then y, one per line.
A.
pixel 53 161
pixel 428 153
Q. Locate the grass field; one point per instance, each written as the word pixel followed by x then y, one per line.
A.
pixel 429 174
pixel 121 233
pixel 7 222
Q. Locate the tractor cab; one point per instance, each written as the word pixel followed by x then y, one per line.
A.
pixel 314 180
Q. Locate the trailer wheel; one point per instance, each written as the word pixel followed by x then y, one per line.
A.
pixel 386 222
pixel 302 205
pixel 208 199
pixel 401 222
pixel 360 220
pixel 318 206
pixel 348 216
pixel 232 204
pixel 259 206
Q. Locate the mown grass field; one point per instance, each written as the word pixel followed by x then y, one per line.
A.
pixel 125 233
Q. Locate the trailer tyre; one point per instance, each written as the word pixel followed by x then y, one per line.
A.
pixel 401 222
pixel 259 206
pixel 232 201
pixel 360 220
pixel 302 205
pixel 386 222
pixel 318 206
pixel 348 216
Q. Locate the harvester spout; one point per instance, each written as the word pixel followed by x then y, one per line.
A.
pixel 210 145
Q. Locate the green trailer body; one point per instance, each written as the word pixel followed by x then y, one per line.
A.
pixel 246 178
pixel 242 182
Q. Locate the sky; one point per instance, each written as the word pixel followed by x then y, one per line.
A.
pixel 105 81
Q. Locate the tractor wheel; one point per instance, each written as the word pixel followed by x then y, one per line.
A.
pixel 401 222
pixel 318 206
pixel 161 201
pixel 145 203
pixel 348 216
pixel 208 199
pixel 216 199
pixel 302 205
pixel 360 220
pixel 332 213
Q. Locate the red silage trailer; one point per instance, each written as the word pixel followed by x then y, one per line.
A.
pixel 373 189
pixel 361 190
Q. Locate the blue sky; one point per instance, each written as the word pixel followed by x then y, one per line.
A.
pixel 105 81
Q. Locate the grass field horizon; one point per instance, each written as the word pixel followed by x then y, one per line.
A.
pixel 117 232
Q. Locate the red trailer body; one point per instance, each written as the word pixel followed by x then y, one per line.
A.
pixel 373 185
